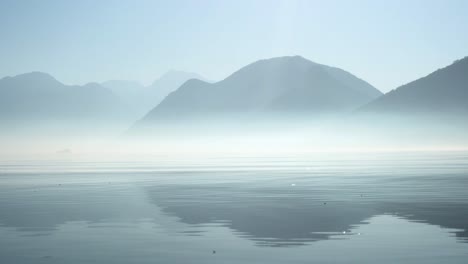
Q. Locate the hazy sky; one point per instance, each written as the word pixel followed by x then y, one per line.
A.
pixel 387 43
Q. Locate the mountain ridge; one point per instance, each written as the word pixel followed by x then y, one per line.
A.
pixel 143 98
pixel 39 96
pixel 444 90
pixel 289 83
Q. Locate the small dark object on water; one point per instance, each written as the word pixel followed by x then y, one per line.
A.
pixel 324 203
pixel 64 151
pixel 214 251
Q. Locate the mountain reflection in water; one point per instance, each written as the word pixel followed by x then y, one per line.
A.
pixel 289 203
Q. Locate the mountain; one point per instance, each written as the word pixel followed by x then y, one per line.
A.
pixel 169 82
pixel 128 91
pixel 278 85
pixel 38 97
pixel 441 92
pixel 143 98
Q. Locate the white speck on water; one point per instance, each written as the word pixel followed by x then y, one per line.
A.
pixel 293 184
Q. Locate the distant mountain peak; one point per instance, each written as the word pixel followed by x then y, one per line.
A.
pixel 29 83
pixel 144 98
pixel 283 59
pixel 175 76
pixel 35 76
pixel 288 84
pixel 39 97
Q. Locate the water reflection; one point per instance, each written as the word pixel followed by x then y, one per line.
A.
pixel 41 209
pixel 270 211
pixel 370 242
pixel 242 213
pixel 271 217
pixel 276 213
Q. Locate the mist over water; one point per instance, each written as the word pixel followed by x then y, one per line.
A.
pixel 240 134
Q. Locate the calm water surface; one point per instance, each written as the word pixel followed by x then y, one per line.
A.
pixel 311 208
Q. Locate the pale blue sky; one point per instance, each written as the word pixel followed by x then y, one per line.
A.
pixel 387 43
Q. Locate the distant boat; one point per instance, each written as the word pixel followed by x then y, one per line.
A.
pixel 64 151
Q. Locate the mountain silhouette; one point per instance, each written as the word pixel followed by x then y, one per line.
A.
pixel 38 97
pixel 279 85
pixel 144 98
pixel 441 92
